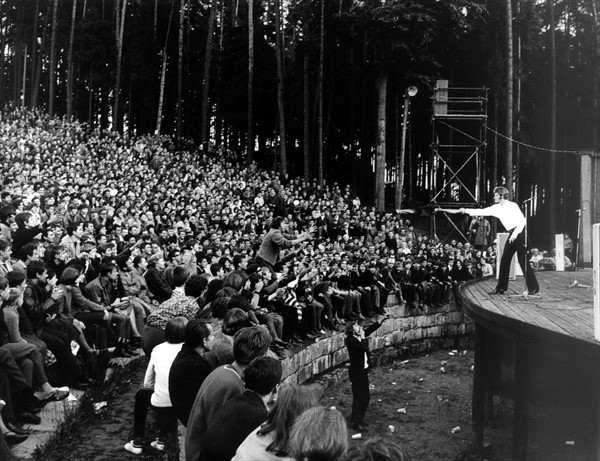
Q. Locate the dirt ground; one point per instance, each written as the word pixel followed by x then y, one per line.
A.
pixel 435 403
pixel 425 398
pixel 417 402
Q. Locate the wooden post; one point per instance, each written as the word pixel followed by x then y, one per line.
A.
pixel 521 399
pixel 559 252
pixel 596 280
pixel 479 387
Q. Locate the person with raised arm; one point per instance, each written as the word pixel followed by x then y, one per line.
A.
pixel 513 220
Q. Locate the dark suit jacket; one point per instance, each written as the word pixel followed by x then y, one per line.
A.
pixel 356 352
pixel 230 426
pixel 188 372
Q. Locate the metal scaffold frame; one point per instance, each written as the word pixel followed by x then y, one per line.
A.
pixel 459 124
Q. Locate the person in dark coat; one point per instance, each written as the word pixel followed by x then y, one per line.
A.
pixel 360 364
pixel 190 368
pixel 242 414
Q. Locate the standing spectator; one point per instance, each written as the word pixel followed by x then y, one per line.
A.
pixel 155 393
pixel 360 363
pixel 276 240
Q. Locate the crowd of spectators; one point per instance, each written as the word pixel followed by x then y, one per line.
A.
pixel 106 238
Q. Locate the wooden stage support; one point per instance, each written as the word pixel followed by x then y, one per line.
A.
pixel 548 346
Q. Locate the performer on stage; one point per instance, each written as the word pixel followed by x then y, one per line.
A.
pixel 514 222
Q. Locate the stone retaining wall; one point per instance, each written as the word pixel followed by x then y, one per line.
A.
pixel 441 326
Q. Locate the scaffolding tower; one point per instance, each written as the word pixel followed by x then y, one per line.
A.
pixel 459 124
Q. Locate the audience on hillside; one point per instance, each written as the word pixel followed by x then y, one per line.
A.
pixel 116 235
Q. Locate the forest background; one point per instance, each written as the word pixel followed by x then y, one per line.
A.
pixel 317 88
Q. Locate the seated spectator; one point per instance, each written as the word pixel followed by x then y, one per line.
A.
pixel 319 433
pixel 271 440
pixel 155 393
pixel 239 415
pixel 221 352
pixel 155 278
pixel 222 384
pixel 181 306
pixel 190 368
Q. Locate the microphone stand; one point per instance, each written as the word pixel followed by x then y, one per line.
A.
pixel 575 283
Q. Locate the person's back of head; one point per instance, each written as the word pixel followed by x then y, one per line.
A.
pixel 238 302
pixel 175 330
pixel 262 375
pixel 195 286
pixel 180 275
pixel 15 278
pixel 292 401
pixel 218 308
pixel 249 343
pixel 319 434
pixel 197 332
pixel 215 268
pixel 234 320
pixel 378 449
pixel 235 280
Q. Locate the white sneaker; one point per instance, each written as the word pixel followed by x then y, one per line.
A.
pixel 133 448
pixel 158 445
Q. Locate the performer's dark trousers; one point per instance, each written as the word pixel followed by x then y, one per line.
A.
pixel 510 248
pixel 360 396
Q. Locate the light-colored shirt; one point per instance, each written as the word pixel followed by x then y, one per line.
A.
pixel 157 373
pixel 255 447
pixel 509 214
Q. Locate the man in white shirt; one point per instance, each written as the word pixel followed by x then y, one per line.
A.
pixel 514 222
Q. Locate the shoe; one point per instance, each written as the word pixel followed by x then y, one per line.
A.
pixel 122 352
pixel 158 445
pixel 133 447
pixel 52 396
pixel 533 292
pixel 28 418
pixel 17 428
pixel 12 438
pixel 497 291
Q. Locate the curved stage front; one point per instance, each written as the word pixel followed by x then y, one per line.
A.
pixel 540 352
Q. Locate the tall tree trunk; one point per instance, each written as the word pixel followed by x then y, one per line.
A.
pixel 381 154
pixel 321 92
pixel 120 31
pixel 2 57
pixel 552 154
pixel 24 77
pixel 306 118
pixel 163 73
pixel 155 18
pixel 180 69
pixel 280 88
pixel 34 45
pixel 518 177
pixel 205 111
pixel 250 140
pixel 52 70
pixel 70 63
pixel 509 95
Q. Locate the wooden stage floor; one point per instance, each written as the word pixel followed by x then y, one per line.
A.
pixel 558 309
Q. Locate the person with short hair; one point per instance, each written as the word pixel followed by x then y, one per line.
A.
pixel 190 368
pixel 185 306
pixel 513 220
pixel 360 364
pixel 240 415
pixel 319 434
pixel 222 384
pixel 155 393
